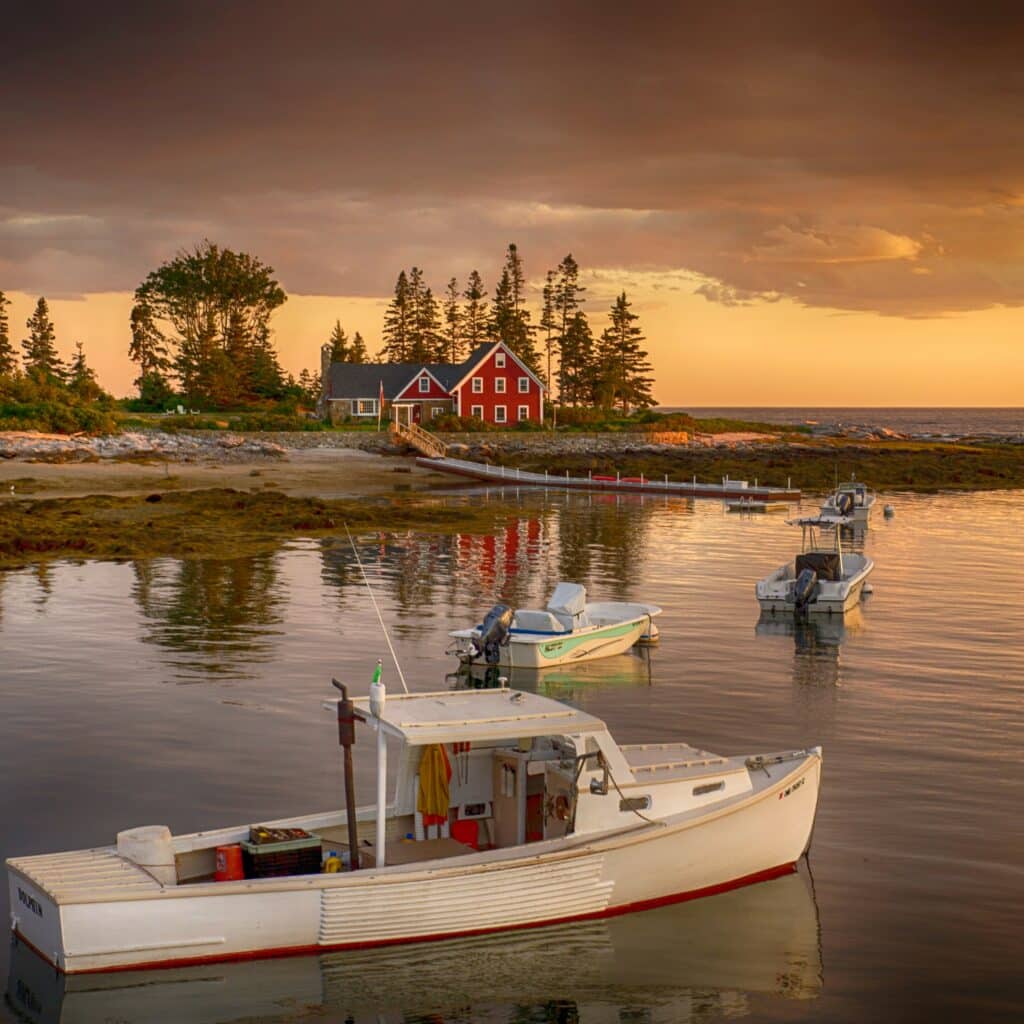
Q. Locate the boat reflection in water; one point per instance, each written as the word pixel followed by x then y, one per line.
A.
pixel 689 962
pixel 562 682
pixel 817 642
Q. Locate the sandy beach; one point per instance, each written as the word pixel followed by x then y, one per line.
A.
pixel 320 472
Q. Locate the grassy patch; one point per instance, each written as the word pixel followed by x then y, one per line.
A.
pixel 220 523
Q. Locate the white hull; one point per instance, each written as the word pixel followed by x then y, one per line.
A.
pixel 763 938
pixel 92 911
pixel 832 597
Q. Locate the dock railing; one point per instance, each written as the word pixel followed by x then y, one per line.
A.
pixel 422 440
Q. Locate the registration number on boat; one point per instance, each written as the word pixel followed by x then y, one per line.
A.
pixel 791 789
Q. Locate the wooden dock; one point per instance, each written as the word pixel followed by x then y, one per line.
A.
pixel 510 476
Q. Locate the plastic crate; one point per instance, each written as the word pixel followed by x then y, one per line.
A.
pixel 272 860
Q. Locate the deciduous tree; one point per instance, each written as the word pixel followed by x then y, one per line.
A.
pixel 213 306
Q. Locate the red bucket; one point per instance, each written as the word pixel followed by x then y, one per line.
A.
pixel 229 864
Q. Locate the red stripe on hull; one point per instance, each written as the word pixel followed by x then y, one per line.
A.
pixel 266 954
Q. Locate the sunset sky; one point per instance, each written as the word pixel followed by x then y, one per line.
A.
pixel 806 207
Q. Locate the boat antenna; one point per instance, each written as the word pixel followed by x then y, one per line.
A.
pixel 380 618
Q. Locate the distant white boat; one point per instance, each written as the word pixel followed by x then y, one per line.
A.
pixel 568 631
pixel 851 500
pixel 823 578
pixel 753 505
pixel 556 823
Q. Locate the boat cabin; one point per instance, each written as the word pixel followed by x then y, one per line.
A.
pixel 490 770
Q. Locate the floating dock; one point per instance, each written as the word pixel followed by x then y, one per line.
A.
pixel 508 475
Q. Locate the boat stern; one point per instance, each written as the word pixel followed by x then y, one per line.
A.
pixel 35 916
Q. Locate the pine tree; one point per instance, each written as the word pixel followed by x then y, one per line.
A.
pixel 357 351
pixel 452 350
pixel 8 357
pixel 576 378
pixel 426 319
pixel 548 324
pixel 339 343
pixel 81 377
pixel 566 299
pixel 309 385
pixel 398 324
pixel 522 331
pixel 148 348
pixel 474 317
pixel 267 378
pixel 624 370
pixel 40 346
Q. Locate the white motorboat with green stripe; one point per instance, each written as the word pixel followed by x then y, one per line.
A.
pixel 569 630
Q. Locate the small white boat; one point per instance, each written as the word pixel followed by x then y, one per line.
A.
pixel 823 578
pixel 546 819
pixel 568 631
pixel 754 505
pixel 851 500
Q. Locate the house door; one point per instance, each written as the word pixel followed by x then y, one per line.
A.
pixel 417 413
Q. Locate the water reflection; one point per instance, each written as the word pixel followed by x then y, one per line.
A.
pixel 564 682
pixel 213 616
pixel 817 642
pixel 692 962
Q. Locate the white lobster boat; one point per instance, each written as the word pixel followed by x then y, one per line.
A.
pixel 568 631
pixel 822 579
pixel 852 500
pixel 569 825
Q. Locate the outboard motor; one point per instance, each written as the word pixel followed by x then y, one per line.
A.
pixel 494 632
pixel 844 503
pixel 805 588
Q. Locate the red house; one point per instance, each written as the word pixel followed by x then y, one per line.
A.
pixel 493 384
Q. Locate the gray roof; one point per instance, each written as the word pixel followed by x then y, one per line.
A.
pixel 363 380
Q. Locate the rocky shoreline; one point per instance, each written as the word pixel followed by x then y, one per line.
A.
pixel 226 446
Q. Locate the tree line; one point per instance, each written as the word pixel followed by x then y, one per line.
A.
pixel 607 371
pixel 40 361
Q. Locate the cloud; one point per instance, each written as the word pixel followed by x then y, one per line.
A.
pixel 862 158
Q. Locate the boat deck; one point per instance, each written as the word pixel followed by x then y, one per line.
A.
pixel 85 876
pixel 663 762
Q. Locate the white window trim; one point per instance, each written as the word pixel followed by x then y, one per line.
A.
pixel 499 360
pixel 478 385
pixel 358 404
pixel 424 385
pixel 477 411
pixel 503 410
pixel 524 385
pixel 499 385
pixel 524 413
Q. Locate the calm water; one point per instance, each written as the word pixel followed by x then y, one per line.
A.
pixel 978 422
pixel 187 693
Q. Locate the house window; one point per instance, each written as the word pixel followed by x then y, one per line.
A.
pixel 478 385
pixel 499 360
pixel 435 412
pixel 477 411
pixel 424 385
pixel 499 385
pixel 499 414
pixel 524 412
pixel 524 385
pixel 366 407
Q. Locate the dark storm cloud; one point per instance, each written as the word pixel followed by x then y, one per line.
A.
pixel 872 159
